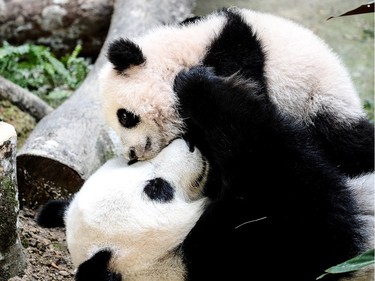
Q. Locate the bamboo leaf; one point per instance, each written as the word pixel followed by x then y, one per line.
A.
pixel 358 262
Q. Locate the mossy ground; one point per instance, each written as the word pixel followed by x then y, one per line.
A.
pixel 21 121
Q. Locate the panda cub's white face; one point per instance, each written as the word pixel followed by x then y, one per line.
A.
pixel 142 211
pixel 140 107
pixel 136 85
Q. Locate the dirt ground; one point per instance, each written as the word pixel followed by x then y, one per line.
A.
pixel 46 250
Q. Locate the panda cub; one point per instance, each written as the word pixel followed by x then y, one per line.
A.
pixel 294 69
pixel 129 221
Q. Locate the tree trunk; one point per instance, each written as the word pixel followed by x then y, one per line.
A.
pixel 58 24
pixel 70 143
pixel 23 99
pixel 12 259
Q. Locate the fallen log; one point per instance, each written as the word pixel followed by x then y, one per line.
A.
pixel 70 143
pixel 23 99
pixel 61 25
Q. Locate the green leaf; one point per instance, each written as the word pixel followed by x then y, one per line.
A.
pixel 358 262
pixel 37 69
pixel 58 66
pixel 73 56
pixel 9 50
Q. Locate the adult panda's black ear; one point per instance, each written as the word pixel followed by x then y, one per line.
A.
pixel 123 53
pixel 52 214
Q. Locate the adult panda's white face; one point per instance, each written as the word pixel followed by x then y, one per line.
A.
pixel 141 212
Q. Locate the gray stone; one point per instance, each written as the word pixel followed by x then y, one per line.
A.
pixel 12 259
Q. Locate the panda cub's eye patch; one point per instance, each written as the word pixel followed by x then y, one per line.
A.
pixel 159 190
pixel 127 119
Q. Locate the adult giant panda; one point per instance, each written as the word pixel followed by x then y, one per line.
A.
pixel 294 69
pixel 129 221
pixel 280 209
pixel 253 197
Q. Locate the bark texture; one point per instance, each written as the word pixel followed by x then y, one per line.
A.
pixel 70 143
pixel 23 99
pixel 60 24
pixel 12 259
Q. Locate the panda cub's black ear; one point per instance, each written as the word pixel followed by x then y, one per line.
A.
pixel 123 53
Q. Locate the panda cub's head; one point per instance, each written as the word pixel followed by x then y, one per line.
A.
pixel 136 85
pixel 141 212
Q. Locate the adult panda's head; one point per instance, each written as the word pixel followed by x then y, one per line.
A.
pixel 141 213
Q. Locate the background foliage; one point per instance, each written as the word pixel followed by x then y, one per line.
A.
pixel 35 68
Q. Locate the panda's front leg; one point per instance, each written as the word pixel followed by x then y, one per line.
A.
pixel 97 268
pixel 217 110
pixel 190 86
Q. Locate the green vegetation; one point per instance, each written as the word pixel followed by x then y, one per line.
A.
pixel 35 68
pixel 369 107
pixel 353 264
pixel 23 122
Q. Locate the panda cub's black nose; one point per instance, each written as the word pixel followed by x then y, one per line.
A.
pixel 132 154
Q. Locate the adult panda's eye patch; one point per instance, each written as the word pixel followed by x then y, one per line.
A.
pixel 159 190
pixel 127 119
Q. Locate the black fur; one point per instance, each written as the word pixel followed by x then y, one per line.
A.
pixel 123 53
pixel 351 147
pixel 96 268
pixel 159 190
pixel 238 50
pixel 190 20
pixel 267 169
pixel 52 214
pixel 127 119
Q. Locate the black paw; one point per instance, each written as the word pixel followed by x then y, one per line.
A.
pixel 191 86
pixel 192 80
pixel 96 268
pixel 52 214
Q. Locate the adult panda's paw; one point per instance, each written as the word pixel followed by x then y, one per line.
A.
pixel 96 268
pixel 192 88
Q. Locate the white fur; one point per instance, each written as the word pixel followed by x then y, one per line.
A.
pixel 363 189
pixel 112 211
pixel 303 76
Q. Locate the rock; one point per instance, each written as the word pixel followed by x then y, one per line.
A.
pixel 12 259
